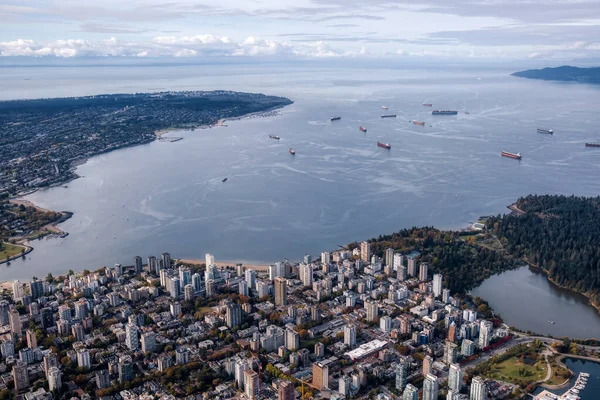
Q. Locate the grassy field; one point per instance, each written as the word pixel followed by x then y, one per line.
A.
pixel 514 371
pixel 10 250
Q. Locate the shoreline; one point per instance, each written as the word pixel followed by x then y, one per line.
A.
pixel 28 249
pixel 222 264
pixel 51 227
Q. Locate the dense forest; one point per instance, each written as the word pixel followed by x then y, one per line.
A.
pixel 558 234
pixel 463 263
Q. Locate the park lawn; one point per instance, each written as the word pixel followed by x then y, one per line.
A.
pixel 558 375
pixel 10 250
pixel 509 371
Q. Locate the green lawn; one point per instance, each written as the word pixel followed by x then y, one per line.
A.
pixel 512 370
pixel 9 250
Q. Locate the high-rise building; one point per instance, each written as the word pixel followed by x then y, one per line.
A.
pixel 372 310
pixel 430 387
pixel 455 377
pixel 292 339
pixel 175 309
pixel 286 391
pixel 4 307
pixel 452 332
pixel 14 318
pixel 389 257
pixel 197 282
pixel 450 350
pixel 102 379
pixel 325 258
pixel 18 291
pixel 280 291
pixel 239 369
pixel 137 265
pixel 36 288
pixel 307 259
pixel 166 259
pixel 467 347
pixel 83 358
pixel 446 296
pixel 385 324
pixel 276 270
pixel 452 395
pixel 182 356
pixel 412 266
pixel 398 261
pixel 477 389
pixel 47 317
pixel 209 259
pixel 174 287
pixel 243 288
pixel 153 265
pixel 306 274
pixel 50 360
pixel 185 277
pixel 148 342
pixel 350 336
pixel 250 277
pixel 64 313
pixel 20 376
pixel 423 272
pixel 251 384
pixel 365 252
pixel 345 385
pixel 427 362
pixel 31 339
pixel 125 368
pixel 485 333
pixel 188 292
pixel 410 393
pixel 233 316
pixel 319 350
pixel 7 348
pixel 320 377
pixel 401 374
pixel 54 379
pixel 437 285
pixel 401 273
pixel 239 269
pixel 132 340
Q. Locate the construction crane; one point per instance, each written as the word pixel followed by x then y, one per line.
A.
pixel 305 382
pixel 255 357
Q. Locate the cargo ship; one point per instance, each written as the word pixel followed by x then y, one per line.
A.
pixel 444 112
pixel 292 151
pixel 335 118
pixel 427 104
pixel 363 129
pixel 384 145
pixel 274 137
pixel 547 131
pixel 419 123
pixel 516 156
pixel 388 115
pixel 384 107
pixel 592 145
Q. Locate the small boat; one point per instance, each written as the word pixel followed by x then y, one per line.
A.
pixel 388 115
pixel 552 322
pixel 427 104
pixel 335 118
pixel 592 145
pixel 547 131
pixel 274 137
pixel 444 112
pixel 384 107
pixel 419 123
pixel 292 151
pixel 516 156
pixel 224 179
pixel 384 145
pixel 363 129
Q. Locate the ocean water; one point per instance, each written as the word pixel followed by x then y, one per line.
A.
pixel 340 187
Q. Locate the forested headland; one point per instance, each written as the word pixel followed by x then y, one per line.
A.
pixel 559 234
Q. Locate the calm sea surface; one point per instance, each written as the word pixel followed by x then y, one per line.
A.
pixel 338 188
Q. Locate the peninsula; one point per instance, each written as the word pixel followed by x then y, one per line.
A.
pixel 565 73
pixel 42 139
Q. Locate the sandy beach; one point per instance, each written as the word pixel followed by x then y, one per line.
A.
pixel 49 227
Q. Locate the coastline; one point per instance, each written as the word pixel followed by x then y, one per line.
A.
pixel 222 264
pixel 51 227
pixel 28 249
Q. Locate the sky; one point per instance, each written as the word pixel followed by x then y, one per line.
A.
pixel 486 29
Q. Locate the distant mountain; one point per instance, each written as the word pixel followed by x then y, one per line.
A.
pixel 565 73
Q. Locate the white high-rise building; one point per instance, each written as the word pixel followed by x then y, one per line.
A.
pixel 243 288
pixel 350 336
pixel 455 377
pixel 365 252
pixel 83 358
pixel 477 389
pixel 209 259
pixel 18 291
pixel 345 385
pixel 54 379
pixel 132 341
pixel 423 271
pixel 276 270
pixel 250 277
pixel 430 387
pixel 398 261
pixel 385 324
pixel 372 310
pixel 485 334
pixel 325 258
pixel 306 274
pixel 240 367
pixel 437 285
pixel 412 266
pixel 446 296
pixel 410 393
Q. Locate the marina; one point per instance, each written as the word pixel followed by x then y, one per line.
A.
pixel 571 394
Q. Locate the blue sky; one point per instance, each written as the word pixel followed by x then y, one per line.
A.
pixel 492 29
